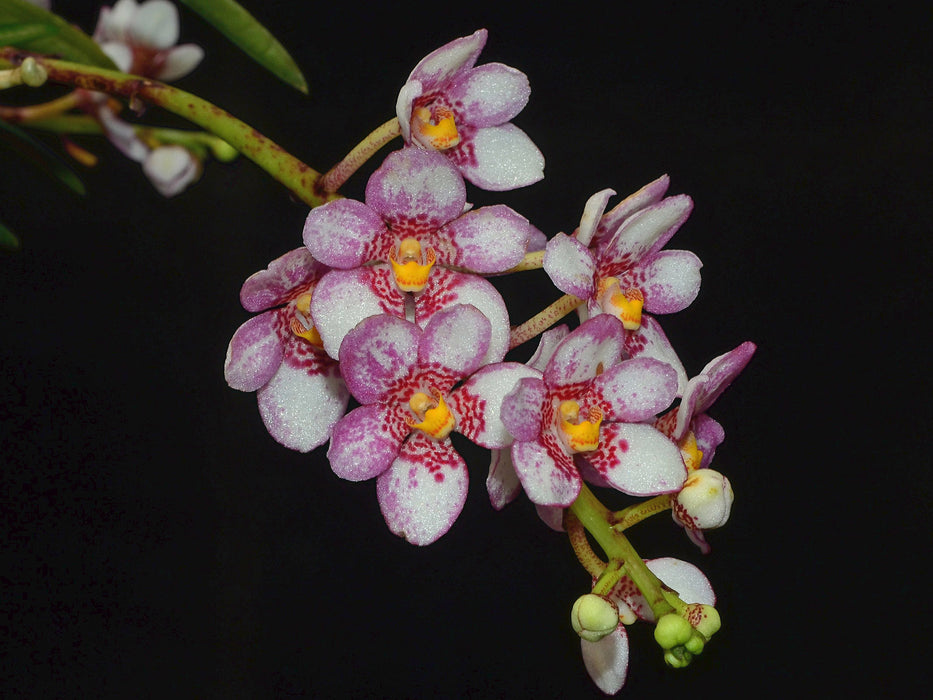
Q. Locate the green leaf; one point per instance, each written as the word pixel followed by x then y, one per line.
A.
pixel 8 240
pixel 20 24
pixel 39 156
pixel 240 27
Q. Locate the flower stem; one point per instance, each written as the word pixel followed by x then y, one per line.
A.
pixel 596 518
pixel 581 547
pixel 634 514
pixel 299 178
pixel 363 151
pixel 46 110
pixel 543 320
pixel 532 261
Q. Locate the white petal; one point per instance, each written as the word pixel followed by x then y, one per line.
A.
pixel 180 61
pixel 607 660
pixel 505 159
pixel 155 25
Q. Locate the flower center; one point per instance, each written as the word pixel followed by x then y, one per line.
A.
pixel 301 324
pixel 579 435
pixel 410 267
pixel 435 418
pixel 434 127
pixel 692 454
pixel 625 306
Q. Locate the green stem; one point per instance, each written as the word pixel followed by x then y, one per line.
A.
pixel 299 178
pixel 531 261
pixel 634 514
pixel 363 151
pixel 596 518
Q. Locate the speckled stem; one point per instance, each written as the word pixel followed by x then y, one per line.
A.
pixel 531 261
pixel 363 151
pixel 46 110
pixel 581 546
pixel 633 515
pixel 299 178
pixel 543 320
pixel 596 518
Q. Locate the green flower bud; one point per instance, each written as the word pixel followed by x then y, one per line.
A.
pixel 678 657
pixel 593 617
pixel 695 644
pixel 703 618
pixel 672 631
pixel 33 74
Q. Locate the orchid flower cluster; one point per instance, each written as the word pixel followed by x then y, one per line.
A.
pixel 386 302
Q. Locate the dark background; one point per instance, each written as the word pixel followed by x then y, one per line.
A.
pixel 156 540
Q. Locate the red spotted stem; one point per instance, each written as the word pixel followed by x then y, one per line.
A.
pixel 363 151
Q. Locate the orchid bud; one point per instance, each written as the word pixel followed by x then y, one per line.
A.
pixel 677 657
pixel 672 631
pixel 705 500
pixel 593 617
pixel 171 169
pixel 703 618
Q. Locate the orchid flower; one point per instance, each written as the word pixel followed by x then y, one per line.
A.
pixel 590 404
pixel 412 224
pixel 449 104
pixel 616 263
pixel 698 435
pixel 278 354
pixel 404 379
pixel 606 659
pixel 140 38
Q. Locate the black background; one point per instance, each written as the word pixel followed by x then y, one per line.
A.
pixel 156 540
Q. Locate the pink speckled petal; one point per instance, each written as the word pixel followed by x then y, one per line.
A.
pixel 637 459
pixel 180 61
pixel 477 403
pixel 424 490
pixel 278 283
pixel 709 434
pixel 254 353
pixel 522 408
pixel 366 441
pixel 503 158
pixel 416 191
pixel 690 584
pixel 570 265
pixel 456 338
pixel 502 482
pixel 645 232
pixel 635 390
pixel 650 341
pixel 646 196
pixel 490 94
pixel 447 287
pixel 546 481
pixel 450 60
pixel 377 354
pixel 300 408
pixel 486 240
pixel 343 298
pixel 595 344
pixel 341 233
pixel 607 660
pixel 672 281
pixel 547 344
pixel 722 371
pixel 592 215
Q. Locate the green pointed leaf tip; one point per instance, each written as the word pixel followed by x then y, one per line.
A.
pixel 8 240
pixel 241 28
pixel 59 38
pixel 39 156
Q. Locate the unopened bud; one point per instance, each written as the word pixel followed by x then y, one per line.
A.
pixel 677 658
pixel 32 73
pixel 593 617
pixel 704 501
pixel 703 618
pixel 672 631
pixel 695 644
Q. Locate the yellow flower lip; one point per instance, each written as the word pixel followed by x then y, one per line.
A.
pixel 625 306
pixel 435 129
pixel 410 267
pixel 300 323
pixel 692 454
pixel 436 419
pixel 577 435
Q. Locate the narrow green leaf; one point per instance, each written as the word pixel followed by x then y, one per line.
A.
pixel 59 38
pixel 8 240
pixel 39 156
pixel 240 27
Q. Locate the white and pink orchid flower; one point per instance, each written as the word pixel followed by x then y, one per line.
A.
pixel 607 659
pixel 587 410
pixel 141 38
pixel 413 224
pixel 278 355
pixel 450 105
pixel 404 379
pixel 698 435
pixel 616 263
